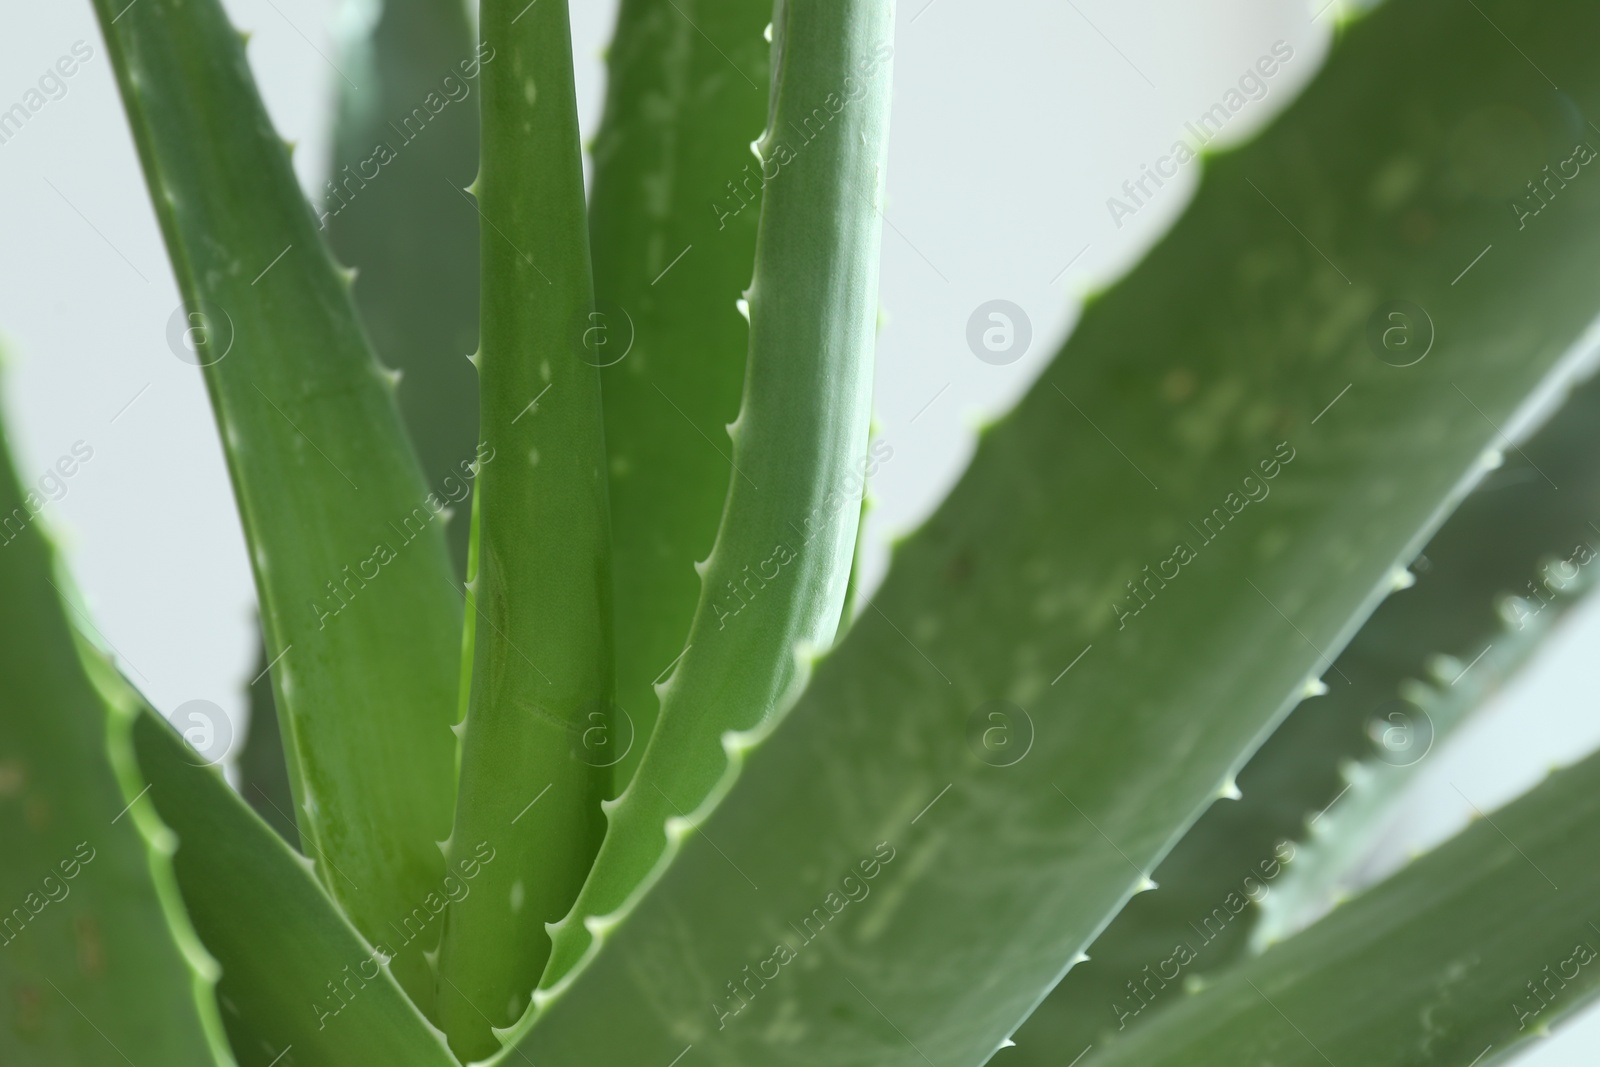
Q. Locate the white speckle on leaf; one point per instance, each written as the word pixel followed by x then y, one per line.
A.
pixel 518 895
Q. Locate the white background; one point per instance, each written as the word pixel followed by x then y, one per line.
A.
pixel 1014 120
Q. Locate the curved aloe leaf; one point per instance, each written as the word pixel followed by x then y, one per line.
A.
pixel 1517 558
pixel 774 585
pixel 938 896
pixel 1327 865
pixel 1482 944
pixel 349 560
pixel 97 959
pixel 542 659
pixel 673 226
pixel 1449 629
pixel 296 978
pixel 402 145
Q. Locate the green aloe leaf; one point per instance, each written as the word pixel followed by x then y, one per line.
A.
pixel 297 979
pixel 97 961
pixel 1506 569
pixel 774 584
pixel 1426 659
pixel 403 144
pixel 938 894
pixel 542 656
pixel 1482 944
pixel 672 219
pixel 354 580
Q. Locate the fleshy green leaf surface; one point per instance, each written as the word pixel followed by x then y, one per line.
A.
pixel 871 891
pixel 542 658
pixel 351 569
pixel 774 585
pixel 97 961
pixel 674 246
pixel 297 979
pixel 1507 568
pixel 1425 660
pixel 1469 951
pixel 404 142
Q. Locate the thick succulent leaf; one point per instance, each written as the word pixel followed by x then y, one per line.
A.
pixel 1517 557
pixel 986 881
pixel 673 225
pixel 97 961
pixel 542 661
pixel 1480 945
pixel 774 585
pixel 298 983
pixel 1425 660
pixel 349 557
pixel 405 140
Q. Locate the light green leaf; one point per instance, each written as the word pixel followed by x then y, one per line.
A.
pixel 774 585
pixel 542 659
pixel 1206 366
pixel 674 246
pixel 295 974
pixel 394 211
pixel 97 961
pixel 1503 572
pixel 1423 663
pixel 1481 945
pixel 351 570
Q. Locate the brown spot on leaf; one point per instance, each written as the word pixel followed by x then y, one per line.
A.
pixel 27 1017
pixel 1419 227
pixel 91 949
pixel 1178 385
pixel 960 567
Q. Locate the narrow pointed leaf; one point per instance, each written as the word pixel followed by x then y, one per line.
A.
pixel 345 541
pixel 296 978
pixel 1427 658
pixel 1509 566
pixel 97 960
pixel 542 659
pixel 872 889
pixel 672 219
pixel 1481 946
pixel 403 144
pixel 774 585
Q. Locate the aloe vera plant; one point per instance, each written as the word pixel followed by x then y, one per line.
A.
pixel 572 752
